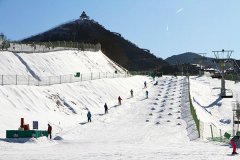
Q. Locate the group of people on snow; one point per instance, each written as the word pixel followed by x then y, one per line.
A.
pixel 89 114
pixel 233 142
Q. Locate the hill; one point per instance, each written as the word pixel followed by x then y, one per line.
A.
pixel 113 45
pixel 137 129
pixel 56 63
pixel 188 57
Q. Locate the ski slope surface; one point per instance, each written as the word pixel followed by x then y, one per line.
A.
pixel 157 127
pixel 210 108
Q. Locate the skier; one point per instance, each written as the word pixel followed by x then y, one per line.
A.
pixel 233 142
pixel 89 115
pixel 156 83
pixel 175 75
pixel 50 131
pixel 106 108
pixel 119 100
pixel 146 94
pixel 131 93
pixel 145 84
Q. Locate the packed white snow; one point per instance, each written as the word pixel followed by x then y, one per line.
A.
pixel 157 127
pixel 211 109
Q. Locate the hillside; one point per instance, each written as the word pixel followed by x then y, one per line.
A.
pixel 56 67
pixel 50 103
pixel 188 57
pixel 141 128
pixel 113 45
pixel 56 63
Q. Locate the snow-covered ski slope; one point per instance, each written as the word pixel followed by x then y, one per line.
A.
pixel 159 127
pixel 55 63
pixel 211 109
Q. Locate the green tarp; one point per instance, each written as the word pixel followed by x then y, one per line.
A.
pixel 26 134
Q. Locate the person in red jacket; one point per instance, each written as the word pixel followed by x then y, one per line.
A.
pixel 50 131
pixel 233 142
pixel 119 100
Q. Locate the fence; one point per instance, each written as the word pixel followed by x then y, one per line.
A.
pixel 186 112
pixel 209 131
pixel 41 47
pixel 50 80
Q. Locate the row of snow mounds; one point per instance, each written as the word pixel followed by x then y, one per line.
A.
pixel 153 117
pixel 165 109
pixel 56 63
pixel 186 112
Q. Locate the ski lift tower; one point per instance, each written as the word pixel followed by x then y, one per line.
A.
pixel 200 61
pixel 236 117
pixel 222 57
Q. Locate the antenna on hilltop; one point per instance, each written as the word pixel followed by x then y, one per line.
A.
pixel 84 16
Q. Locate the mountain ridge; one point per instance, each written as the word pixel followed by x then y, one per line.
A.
pixel 113 45
pixel 187 57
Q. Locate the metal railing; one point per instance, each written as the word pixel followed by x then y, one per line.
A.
pixel 42 47
pixel 208 131
pixel 50 80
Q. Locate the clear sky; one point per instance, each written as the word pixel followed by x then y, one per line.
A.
pixel 166 27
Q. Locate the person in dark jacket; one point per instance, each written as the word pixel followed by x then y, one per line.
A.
pixel 89 116
pixel 119 100
pixel 146 94
pixel 131 93
pixel 175 75
pixel 106 108
pixel 50 131
pixel 145 84
pixel 233 142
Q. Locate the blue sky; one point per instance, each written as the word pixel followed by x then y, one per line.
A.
pixel 166 27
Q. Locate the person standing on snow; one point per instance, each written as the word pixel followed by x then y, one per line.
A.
pixel 89 115
pixel 106 108
pixel 233 142
pixel 50 131
pixel 175 75
pixel 131 93
pixel 146 94
pixel 145 84
pixel 119 100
